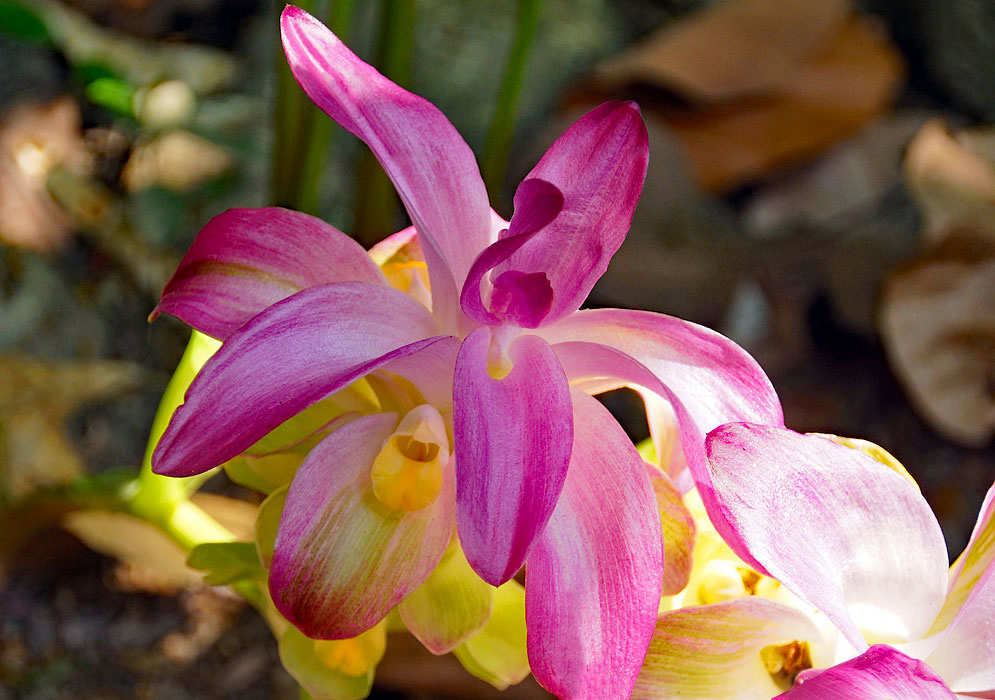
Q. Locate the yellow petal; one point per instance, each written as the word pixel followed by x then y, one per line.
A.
pixel 451 605
pixel 497 654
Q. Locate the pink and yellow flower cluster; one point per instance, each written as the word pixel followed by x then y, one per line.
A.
pixel 422 416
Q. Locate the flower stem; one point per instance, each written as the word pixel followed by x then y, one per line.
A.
pixel 322 127
pixel 497 145
pixel 375 199
pixel 291 112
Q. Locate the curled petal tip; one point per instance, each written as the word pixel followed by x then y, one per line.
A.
pixel 291 12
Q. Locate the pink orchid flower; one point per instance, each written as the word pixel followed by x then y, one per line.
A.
pixel 852 537
pixel 500 439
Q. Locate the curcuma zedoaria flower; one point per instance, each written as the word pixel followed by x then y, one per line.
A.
pixel 875 611
pixel 482 370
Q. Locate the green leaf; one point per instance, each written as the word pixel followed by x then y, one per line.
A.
pixel 18 22
pixel 116 95
pixel 134 542
pixel 226 562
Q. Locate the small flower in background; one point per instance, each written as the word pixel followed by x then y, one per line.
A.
pixel 842 526
pixel 448 390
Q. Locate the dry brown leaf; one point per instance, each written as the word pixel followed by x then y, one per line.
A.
pixel 732 49
pixel 177 160
pixel 769 84
pixel 849 81
pixel 138 545
pixel 34 140
pixel 937 314
pixel 35 400
pixel 938 324
pixel 237 516
pixel 951 178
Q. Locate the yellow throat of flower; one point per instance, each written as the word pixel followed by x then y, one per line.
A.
pixel 407 473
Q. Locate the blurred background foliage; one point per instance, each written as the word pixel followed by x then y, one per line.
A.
pixel 821 188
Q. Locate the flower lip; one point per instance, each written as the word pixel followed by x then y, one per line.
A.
pixel 522 298
pixel 407 472
pixel 518 297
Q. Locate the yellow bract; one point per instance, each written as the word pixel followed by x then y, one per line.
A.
pixel 872 450
pixel 356 656
pixel 407 474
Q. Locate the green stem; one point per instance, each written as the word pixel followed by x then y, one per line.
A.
pixel 322 127
pixel 155 496
pixel 190 526
pixel 291 114
pixel 375 199
pixel 497 145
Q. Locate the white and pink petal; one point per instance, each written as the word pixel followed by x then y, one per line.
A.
pixel 715 652
pixel 839 529
pixel 709 380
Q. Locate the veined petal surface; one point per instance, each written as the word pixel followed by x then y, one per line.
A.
pixel 296 352
pixel 589 365
pixel 342 559
pixel 430 370
pixel 839 529
pixel 715 380
pixel 599 165
pixel 880 672
pixel 434 171
pixel 593 580
pixel 245 260
pixel 513 439
pixel 713 652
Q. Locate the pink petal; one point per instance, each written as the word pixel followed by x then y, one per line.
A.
pixel 965 655
pixel 430 370
pixel 343 559
pixel 433 169
pixel 296 352
pixel 516 298
pixel 713 380
pixel 880 672
pixel 600 367
pixel 593 580
pixel 599 165
pixel 512 445
pixel 839 529
pixel 245 260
